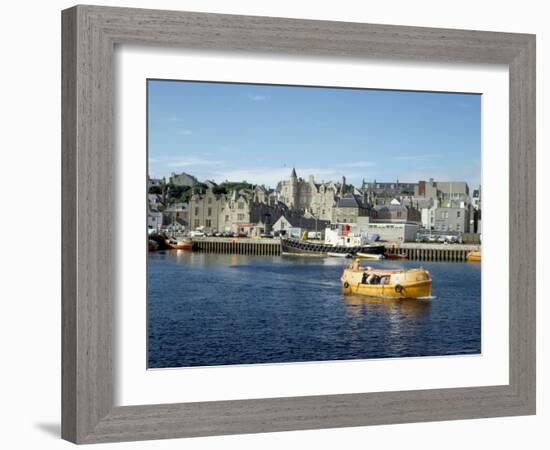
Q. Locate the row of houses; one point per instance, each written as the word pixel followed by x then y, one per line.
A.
pixel 430 205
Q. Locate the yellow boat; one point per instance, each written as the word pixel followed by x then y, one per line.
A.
pixel 399 283
pixel 473 257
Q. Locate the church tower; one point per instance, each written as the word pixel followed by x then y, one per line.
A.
pixel 293 191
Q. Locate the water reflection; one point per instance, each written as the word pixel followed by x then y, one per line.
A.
pixel 406 306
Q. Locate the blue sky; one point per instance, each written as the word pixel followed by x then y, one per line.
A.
pixel 258 133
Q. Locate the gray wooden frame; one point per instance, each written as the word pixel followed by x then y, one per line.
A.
pixel 89 36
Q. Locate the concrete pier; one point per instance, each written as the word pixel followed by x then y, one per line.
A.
pixel 433 252
pixel 240 246
pixel 271 247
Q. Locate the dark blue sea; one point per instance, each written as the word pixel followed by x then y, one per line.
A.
pixel 211 309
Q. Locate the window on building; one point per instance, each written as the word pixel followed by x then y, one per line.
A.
pixel 240 205
pixel 209 211
pixel 458 214
pixel 398 214
pixel 197 223
pixel 196 211
pixel 208 223
pixel 457 227
pixel 227 218
pixel 240 216
pixel 209 200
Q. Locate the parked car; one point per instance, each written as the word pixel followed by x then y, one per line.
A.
pixel 266 235
pixel 197 233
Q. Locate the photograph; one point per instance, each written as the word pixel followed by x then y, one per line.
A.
pixel 296 224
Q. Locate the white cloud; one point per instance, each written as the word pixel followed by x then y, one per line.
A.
pixel 258 98
pixel 193 161
pixel 184 132
pixel 416 157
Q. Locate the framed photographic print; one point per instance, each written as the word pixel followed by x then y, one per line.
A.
pixel 278 224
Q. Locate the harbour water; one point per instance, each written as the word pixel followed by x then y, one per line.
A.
pixel 211 309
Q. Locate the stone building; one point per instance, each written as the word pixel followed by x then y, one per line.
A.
pixel 177 213
pixel 395 213
pixel 183 179
pixel 453 217
pixel 290 222
pixel 318 199
pixel 154 219
pixel 442 191
pixel 158 182
pixel 348 208
pixel 205 210
pixel 236 212
pixel 382 193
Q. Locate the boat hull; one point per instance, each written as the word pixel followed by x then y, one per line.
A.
pixel 473 257
pixel 294 246
pixel 416 290
pixel 369 256
pixel 410 283
pixel 179 245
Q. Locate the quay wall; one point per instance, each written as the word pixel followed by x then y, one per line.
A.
pixel 272 247
pixel 433 252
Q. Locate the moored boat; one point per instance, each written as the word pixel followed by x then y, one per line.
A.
pixel 369 256
pixel 473 256
pixel 297 247
pixel 390 255
pixel 398 283
pixel 340 255
pixel 173 244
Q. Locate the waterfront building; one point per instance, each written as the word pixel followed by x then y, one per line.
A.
pixel 395 213
pixel 154 219
pixel 293 225
pixel 348 208
pixel 205 210
pixel 452 216
pixel 397 231
pixel 235 213
pixel 177 213
pixel 182 179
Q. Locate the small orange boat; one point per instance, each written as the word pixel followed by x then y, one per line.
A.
pixel 473 257
pixel 398 283
pixel 390 255
pixel 173 244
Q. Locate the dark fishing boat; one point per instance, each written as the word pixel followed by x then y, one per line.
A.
pixel 297 247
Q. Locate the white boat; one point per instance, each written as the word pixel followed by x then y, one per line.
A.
pixel 369 256
pixel 340 255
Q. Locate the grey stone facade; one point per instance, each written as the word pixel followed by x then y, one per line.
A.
pixel 395 213
pixel 348 209
pixel 452 218
pixel 318 199
pixel 378 193
pixel 183 179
